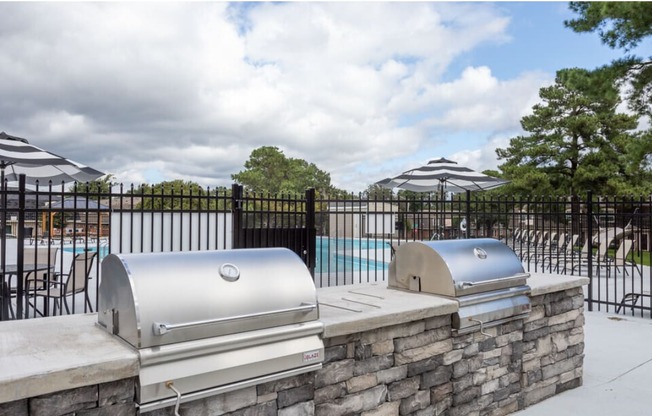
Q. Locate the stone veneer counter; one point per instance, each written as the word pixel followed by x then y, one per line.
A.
pixel 364 307
pixel 41 356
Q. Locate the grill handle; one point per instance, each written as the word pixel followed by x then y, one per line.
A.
pixel 462 285
pixel 163 328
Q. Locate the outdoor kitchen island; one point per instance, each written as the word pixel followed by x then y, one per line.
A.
pixel 387 352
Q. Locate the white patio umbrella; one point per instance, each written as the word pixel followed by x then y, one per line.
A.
pixel 442 175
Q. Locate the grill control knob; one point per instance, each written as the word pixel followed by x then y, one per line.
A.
pixel 229 272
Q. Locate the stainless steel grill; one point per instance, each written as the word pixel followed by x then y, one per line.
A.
pixel 484 275
pixel 208 322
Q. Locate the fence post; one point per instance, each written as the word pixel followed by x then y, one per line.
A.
pixel 5 298
pixel 311 232
pixel 468 214
pixel 589 230
pixel 20 238
pixel 236 215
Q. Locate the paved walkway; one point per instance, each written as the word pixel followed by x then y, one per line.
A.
pixel 617 371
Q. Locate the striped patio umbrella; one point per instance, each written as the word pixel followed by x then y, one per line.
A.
pixel 17 157
pixel 442 175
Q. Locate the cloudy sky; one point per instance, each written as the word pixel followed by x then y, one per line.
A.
pixel 161 91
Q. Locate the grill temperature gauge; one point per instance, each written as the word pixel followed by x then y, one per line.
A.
pixel 229 272
pixel 480 253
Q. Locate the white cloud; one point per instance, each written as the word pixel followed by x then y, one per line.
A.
pixel 187 90
pixel 483 158
pixel 479 101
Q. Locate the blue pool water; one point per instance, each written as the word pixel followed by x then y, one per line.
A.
pixel 103 252
pixel 334 255
pixel 350 255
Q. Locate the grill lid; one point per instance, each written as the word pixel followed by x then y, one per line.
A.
pixel 484 275
pixel 456 267
pixel 156 299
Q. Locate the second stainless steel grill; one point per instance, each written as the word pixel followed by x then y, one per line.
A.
pixel 484 275
pixel 208 322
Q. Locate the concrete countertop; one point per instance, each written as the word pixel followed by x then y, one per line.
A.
pixel 44 355
pixel 542 283
pixel 356 308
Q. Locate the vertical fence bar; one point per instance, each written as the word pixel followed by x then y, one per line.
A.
pixel 468 214
pixel 20 286
pixel 648 223
pixel 120 219
pixel 236 215
pixel 589 214
pixel 192 200
pixel 311 231
pixel 6 298
pixel 131 218
pixel 143 205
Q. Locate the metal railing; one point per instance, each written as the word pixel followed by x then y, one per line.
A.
pixel 343 240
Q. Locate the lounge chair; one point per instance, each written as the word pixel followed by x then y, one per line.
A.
pixel 632 298
pixel 620 258
pixel 538 251
pixel 565 253
pixel 555 248
pixel 527 241
pixel 562 241
pixel 514 238
pixel 518 239
pixel 586 253
pixel 614 233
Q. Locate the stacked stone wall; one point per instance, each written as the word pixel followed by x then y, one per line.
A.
pixel 107 399
pixel 553 345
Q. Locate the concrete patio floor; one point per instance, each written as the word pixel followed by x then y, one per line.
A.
pixel 617 371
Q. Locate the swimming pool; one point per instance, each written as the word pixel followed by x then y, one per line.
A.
pixel 103 250
pixel 336 255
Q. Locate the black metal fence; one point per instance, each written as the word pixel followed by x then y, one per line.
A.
pixel 342 240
